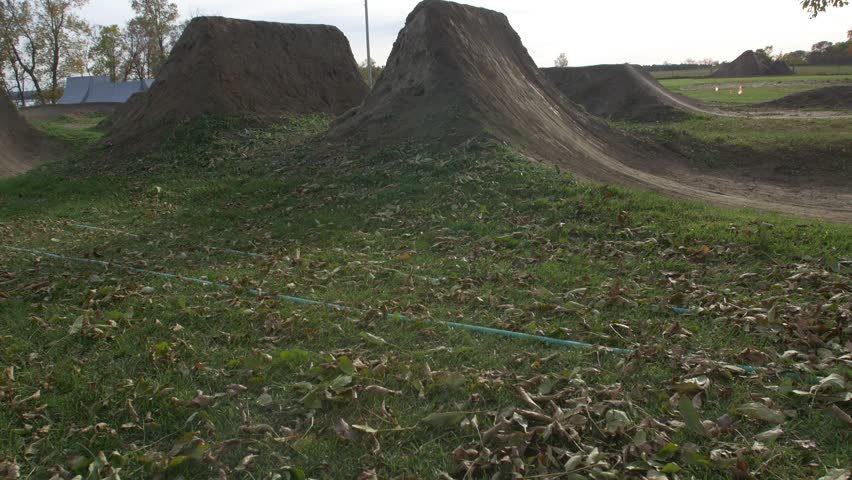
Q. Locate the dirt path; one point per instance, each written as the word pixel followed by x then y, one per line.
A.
pixel 694 106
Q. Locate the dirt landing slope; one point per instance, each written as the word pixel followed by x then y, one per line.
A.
pixel 620 92
pixel 458 72
pixel 22 147
pixel 839 97
pixel 244 68
pixel 749 65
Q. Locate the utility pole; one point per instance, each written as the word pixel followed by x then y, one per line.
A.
pixel 369 58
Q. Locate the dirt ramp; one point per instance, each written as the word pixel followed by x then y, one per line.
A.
pixel 748 64
pixel 620 92
pixel 458 72
pixel 22 147
pixel 831 98
pixel 244 68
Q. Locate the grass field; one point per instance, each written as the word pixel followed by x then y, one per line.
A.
pixel 805 70
pixel 755 89
pixel 738 319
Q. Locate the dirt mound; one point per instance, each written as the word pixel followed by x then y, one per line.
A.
pixel 831 98
pixel 620 92
pixel 22 147
pixel 780 67
pixel 748 64
pixel 244 68
pixel 457 72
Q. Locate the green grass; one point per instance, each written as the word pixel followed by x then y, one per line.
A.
pixel 802 70
pixel 755 89
pixel 173 379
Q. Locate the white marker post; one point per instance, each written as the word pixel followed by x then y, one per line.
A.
pixel 369 59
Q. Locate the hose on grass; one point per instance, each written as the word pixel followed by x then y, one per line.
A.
pixel 304 301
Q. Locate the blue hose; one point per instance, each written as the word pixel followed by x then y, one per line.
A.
pixel 304 301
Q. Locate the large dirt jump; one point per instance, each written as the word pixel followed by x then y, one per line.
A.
pixel 243 68
pixel 458 72
pixel 22 147
pixel 748 64
pixel 621 92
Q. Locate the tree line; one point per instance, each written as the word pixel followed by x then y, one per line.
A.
pixel 821 53
pixel 44 41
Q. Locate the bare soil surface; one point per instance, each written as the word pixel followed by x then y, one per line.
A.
pixel 52 112
pixel 749 65
pixel 837 97
pixel 621 92
pixel 458 72
pixel 242 68
pixel 22 147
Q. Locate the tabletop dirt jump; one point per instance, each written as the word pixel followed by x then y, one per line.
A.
pixel 22 147
pixel 458 72
pixel 243 68
pixel 621 92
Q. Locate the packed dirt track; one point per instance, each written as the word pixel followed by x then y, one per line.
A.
pixel 22 147
pixel 458 72
pixel 242 68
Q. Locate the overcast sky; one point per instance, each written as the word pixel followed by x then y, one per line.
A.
pixel 589 32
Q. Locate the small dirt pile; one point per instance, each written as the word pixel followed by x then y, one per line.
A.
pixel 620 92
pixel 750 65
pixel 457 72
pixel 22 147
pixel 829 98
pixel 780 67
pixel 243 68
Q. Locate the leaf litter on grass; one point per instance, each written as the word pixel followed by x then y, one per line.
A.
pixel 222 384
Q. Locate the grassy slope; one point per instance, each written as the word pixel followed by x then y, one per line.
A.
pixel 477 236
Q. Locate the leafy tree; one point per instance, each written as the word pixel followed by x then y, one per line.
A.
pixel 765 54
pixel 798 57
pixel 108 52
pixel 377 70
pixel 66 37
pixel 158 19
pixel 815 7
pixel 23 42
pixel 561 60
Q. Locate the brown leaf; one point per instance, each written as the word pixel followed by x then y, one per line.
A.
pixel 368 475
pixel 344 431
pixel 382 390
pixel 841 415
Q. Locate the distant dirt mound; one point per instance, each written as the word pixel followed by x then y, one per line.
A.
pixel 748 64
pixel 620 92
pixel 244 68
pixel 22 147
pixel 457 72
pixel 828 97
pixel 780 67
